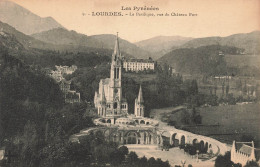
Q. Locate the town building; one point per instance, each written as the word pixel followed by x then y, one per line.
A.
pixel 139 65
pixel 242 152
pixel 56 75
pixel 66 69
pixel 70 96
pixel 64 86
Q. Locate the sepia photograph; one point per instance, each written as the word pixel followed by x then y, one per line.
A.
pixel 129 83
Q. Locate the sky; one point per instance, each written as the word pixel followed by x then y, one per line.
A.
pixel 214 17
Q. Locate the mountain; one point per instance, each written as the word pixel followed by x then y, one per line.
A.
pixel 60 36
pixel 125 46
pixel 248 41
pixel 9 42
pixel 11 38
pixel 24 20
pixel 161 45
pixel 201 60
pixel 14 40
pixel 34 51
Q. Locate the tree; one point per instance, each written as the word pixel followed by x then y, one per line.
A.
pixel 185 117
pixel 223 88
pixel 132 157
pixel 227 89
pixel 251 164
pixel 194 87
pixel 198 119
pixel 116 157
pixel 151 161
pixel 225 161
pixel 143 161
pixel 123 150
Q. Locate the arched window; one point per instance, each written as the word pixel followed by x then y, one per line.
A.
pixel 114 72
pixel 117 73
pixel 115 105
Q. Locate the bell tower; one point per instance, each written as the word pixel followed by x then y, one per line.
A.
pixel 115 79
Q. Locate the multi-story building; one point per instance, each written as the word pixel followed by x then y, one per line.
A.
pixel 139 65
pixel 64 86
pixel 72 97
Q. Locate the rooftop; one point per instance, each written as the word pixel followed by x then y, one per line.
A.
pixel 140 60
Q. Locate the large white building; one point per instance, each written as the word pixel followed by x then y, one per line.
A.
pixel 139 65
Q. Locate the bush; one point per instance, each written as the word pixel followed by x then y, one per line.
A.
pixel 225 161
pixel 251 164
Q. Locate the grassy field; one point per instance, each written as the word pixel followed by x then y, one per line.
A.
pixel 224 123
pixel 233 120
pixel 242 60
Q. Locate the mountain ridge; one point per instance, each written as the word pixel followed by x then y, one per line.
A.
pixel 248 41
pixel 16 43
pixel 24 20
pixel 160 45
pixel 60 36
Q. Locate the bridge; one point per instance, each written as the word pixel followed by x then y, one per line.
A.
pixel 153 135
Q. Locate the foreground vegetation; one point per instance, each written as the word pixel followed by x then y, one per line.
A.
pixel 35 124
pixel 224 161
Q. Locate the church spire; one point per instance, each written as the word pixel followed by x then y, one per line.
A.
pixel 116 49
pixel 140 95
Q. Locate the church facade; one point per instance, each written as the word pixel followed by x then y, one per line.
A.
pixel 242 152
pixel 108 100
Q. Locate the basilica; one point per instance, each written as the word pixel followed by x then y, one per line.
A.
pixel 108 100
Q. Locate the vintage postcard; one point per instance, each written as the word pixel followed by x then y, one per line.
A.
pixel 129 83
